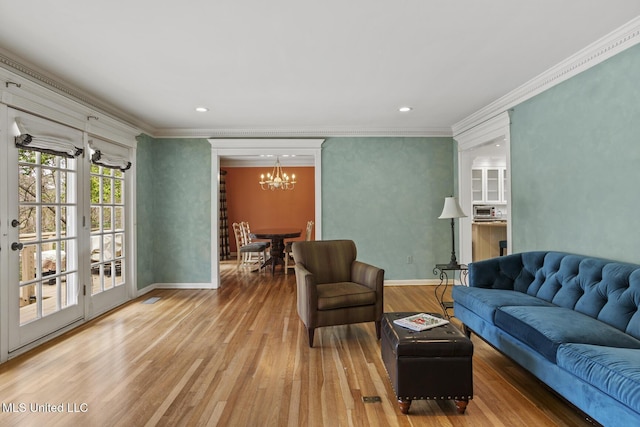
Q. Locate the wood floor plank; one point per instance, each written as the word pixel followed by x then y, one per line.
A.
pixel 238 356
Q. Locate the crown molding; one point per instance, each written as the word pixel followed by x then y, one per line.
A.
pixel 33 74
pixel 615 42
pixel 493 128
pixel 320 132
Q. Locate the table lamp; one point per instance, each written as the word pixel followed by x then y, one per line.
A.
pixel 452 210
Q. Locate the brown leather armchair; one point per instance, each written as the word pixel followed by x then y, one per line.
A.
pixel 334 288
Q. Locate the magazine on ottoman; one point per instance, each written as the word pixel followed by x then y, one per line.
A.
pixel 420 322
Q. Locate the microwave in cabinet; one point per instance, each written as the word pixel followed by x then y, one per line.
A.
pixel 484 212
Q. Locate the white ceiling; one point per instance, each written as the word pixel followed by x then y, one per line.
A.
pixel 285 66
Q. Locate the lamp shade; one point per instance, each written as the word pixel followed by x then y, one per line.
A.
pixel 451 209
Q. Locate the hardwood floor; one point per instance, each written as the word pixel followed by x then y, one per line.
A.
pixel 238 356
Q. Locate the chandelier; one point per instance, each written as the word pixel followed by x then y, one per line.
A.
pixel 277 179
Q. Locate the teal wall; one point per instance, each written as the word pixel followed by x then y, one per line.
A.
pixel 145 208
pixel 386 194
pixel 173 211
pixel 575 162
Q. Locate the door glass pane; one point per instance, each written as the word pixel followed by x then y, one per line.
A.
pixel 119 218
pixel 95 218
pixel 27 187
pixel 48 260
pixel 49 221
pixel 117 190
pixel 107 217
pixel 65 195
pixel 48 185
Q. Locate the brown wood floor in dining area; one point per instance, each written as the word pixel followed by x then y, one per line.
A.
pixel 238 356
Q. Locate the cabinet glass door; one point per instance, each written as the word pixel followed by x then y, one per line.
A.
pixel 476 185
pixel 493 185
pixel 503 175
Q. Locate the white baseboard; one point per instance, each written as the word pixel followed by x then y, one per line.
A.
pixel 412 282
pixel 153 286
pixel 147 289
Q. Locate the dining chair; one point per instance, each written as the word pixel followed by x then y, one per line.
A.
pixel 333 288
pixel 246 249
pixel 246 235
pixel 289 262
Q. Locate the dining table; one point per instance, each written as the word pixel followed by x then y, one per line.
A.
pixel 277 236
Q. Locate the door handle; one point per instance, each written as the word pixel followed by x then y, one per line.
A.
pixel 16 246
pixel 15 223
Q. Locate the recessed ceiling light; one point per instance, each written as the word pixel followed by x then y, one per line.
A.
pixel 202 109
pixel 405 109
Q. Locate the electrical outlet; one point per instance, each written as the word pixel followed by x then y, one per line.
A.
pixel 410 259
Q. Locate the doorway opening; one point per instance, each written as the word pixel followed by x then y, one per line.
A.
pixel 485 147
pixel 251 151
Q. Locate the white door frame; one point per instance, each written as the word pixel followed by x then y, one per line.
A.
pixel 252 147
pixel 491 130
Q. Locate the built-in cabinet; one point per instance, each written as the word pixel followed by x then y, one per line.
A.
pixel 486 239
pixel 488 185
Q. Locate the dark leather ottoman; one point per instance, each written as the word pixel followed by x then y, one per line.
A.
pixel 432 364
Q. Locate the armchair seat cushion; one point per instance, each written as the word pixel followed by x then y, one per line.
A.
pixel 344 294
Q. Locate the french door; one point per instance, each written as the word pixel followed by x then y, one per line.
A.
pixel 109 230
pixel 45 274
pixel 67 227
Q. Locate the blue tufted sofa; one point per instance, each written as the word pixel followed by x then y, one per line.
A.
pixel 571 320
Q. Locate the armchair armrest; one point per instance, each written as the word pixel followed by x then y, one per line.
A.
pixel 367 275
pixel 307 291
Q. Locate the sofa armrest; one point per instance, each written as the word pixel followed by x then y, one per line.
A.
pixel 367 275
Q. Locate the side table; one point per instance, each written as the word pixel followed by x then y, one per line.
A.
pixel 444 270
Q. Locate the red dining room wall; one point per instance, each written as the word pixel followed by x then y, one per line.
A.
pixel 246 201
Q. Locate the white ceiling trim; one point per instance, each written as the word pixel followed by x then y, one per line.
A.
pixel 484 132
pixel 302 133
pixel 250 162
pixel 281 146
pixel 615 42
pixel 262 152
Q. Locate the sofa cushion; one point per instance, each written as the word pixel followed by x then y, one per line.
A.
pixel 545 328
pixel 615 371
pixel 484 302
pixel 344 294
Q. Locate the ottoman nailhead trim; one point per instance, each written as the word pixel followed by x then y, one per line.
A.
pixel 434 397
